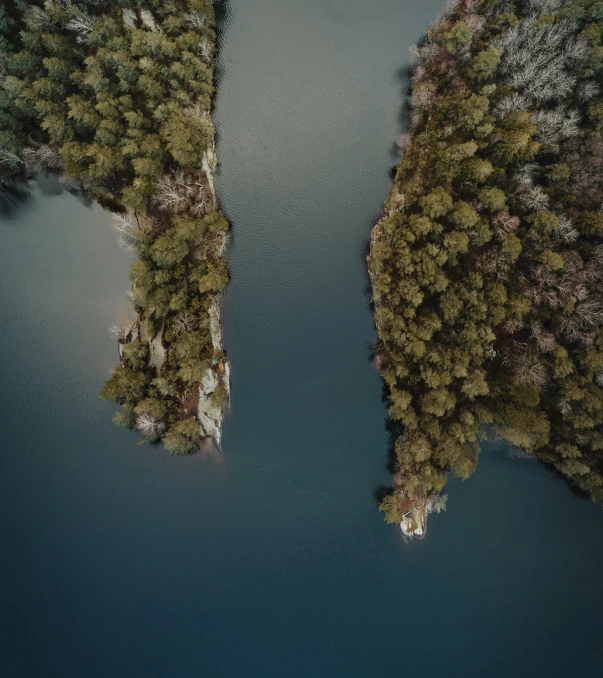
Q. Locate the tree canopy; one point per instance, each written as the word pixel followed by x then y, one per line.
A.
pixel 486 268
pixel 118 95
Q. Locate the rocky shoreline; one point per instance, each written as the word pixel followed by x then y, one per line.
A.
pixel 209 415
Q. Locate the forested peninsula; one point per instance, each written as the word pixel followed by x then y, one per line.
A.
pixel 117 94
pixel 487 266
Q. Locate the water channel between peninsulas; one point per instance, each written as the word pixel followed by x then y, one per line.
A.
pixel 271 560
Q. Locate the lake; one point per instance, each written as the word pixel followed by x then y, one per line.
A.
pixel 271 559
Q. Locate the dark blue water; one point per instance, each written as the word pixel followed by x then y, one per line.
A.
pixel 273 559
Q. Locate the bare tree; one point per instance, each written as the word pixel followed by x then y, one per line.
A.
pixel 117 332
pixel 510 104
pixel 537 58
pixel 169 197
pixel 423 95
pixel 512 325
pixel 544 340
pixel 588 90
pixel 81 24
pixel 540 7
pixel 183 183
pixel 126 229
pixel 42 155
pixel 149 425
pixel 201 204
pixel 206 50
pixel 554 126
pixel 174 193
pixel 533 198
pixel 564 407
pixel 504 224
pixel 184 322
pixel 475 22
pixel 37 18
pixel 195 18
pixel 527 367
pixel 587 316
pixel 9 158
pixel 424 54
pixel 566 233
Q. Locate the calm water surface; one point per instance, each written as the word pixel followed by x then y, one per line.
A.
pixel 272 560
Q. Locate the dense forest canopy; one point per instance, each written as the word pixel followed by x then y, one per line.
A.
pixel 118 95
pixel 487 268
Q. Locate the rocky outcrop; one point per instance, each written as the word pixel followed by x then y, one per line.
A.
pixel 209 414
pixel 414 522
pixel 208 164
pixel 157 350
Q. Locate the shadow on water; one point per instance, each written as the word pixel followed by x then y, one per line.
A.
pixel 222 10
pixel 571 487
pixel 394 431
pixel 403 77
pixel 223 16
pixel 393 428
pixel 14 196
pixel 17 194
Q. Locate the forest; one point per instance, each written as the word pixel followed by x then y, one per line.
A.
pixel 117 94
pixel 487 266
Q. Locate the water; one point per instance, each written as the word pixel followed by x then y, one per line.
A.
pixel 272 561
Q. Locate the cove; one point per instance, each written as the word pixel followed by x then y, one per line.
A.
pixel 273 559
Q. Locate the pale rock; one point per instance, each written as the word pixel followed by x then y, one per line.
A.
pixel 210 417
pixel 208 164
pixel 157 350
pixel 148 20
pixel 129 18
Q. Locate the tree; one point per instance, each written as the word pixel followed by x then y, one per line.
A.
pixel 182 437
pixel 123 107
pixel 126 386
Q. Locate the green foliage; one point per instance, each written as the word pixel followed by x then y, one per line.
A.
pixel 135 355
pixel 392 507
pixel 459 36
pixel 437 203
pixel 558 172
pixel 126 386
pixel 125 109
pixel 484 64
pixel 493 199
pixel 183 436
pixel 124 418
pixel 219 397
pixel 486 272
pixel 470 112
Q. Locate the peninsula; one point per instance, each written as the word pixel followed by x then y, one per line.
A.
pixel 487 266
pixel 118 96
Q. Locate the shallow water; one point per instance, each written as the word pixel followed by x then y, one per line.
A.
pixel 272 560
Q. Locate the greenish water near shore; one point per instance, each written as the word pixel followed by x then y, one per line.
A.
pixel 272 560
